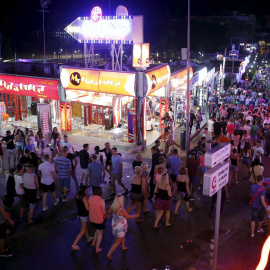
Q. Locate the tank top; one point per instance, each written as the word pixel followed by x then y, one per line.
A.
pixel 163 194
pixel 95 211
pixel 246 155
pixel 136 188
pixel 82 211
pixel 20 141
pixel 29 181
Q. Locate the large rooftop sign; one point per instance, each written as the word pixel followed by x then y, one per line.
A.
pixel 107 29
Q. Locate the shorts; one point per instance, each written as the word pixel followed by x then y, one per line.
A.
pixel 3 233
pixel 254 137
pixel 30 195
pixel 100 226
pixel 173 177
pixel 115 177
pixel 19 147
pixel 203 169
pixel 64 182
pixel 194 180
pixel 85 171
pixel 257 214
pixel 178 116
pixel 246 160
pixel 83 219
pixel 234 168
pixel 11 152
pixel 46 188
pixel 42 144
pixel 137 197
pixel 22 201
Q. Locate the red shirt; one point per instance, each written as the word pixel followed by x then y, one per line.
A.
pixel 230 128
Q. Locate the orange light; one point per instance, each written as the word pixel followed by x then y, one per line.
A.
pixel 265 254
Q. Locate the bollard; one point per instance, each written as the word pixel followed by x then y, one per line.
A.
pixel 211 255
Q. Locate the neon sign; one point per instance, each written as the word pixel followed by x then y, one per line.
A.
pixel 96 14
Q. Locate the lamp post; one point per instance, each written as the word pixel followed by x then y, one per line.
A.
pixel 44 4
pixel 188 59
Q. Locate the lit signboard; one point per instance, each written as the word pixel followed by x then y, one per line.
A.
pixel 107 29
pixel 157 80
pixel 29 86
pixel 179 79
pixel 140 55
pixel 110 82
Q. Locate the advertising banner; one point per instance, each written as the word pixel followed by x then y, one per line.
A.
pixel 29 86
pixel 163 109
pixel 141 55
pixel 117 110
pixel 157 79
pixel 143 120
pixel 131 126
pixel 65 114
pixel 179 80
pixel 110 82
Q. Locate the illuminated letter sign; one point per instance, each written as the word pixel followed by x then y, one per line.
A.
pixel 65 114
pixel 107 29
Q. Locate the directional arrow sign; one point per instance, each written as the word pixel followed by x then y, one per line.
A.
pixel 109 29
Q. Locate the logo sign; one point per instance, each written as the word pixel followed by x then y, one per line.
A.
pixel 215 179
pixel 107 29
pixel 141 55
pixel 110 82
pixel 96 14
pixel 218 154
pixel 163 109
pixel 179 79
pixel 29 86
pixel 131 126
pixel 246 79
pixel 65 114
pixel 75 78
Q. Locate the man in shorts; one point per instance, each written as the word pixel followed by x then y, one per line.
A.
pixel 258 205
pixel 64 170
pixel 117 171
pixel 47 173
pixel 11 151
pixel 174 163
pixel 3 217
pixel 84 161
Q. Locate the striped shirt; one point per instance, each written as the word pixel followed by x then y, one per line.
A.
pixel 62 167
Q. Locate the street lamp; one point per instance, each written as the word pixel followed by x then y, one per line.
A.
pixel 44 4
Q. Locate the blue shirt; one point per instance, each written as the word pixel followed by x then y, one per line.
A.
pixel 174 164
pixel 257 202
pixel 116 161
pixel 265 181
pixel 95 168
pixel 62 165
pixel 31 147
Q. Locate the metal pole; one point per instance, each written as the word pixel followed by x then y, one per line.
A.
pixel 44 36
pixel 175 114
pixel 223 73
pixel 218 204
pixel 188 56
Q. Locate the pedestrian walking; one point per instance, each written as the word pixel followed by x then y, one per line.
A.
pixel 119 224
pixel 84 161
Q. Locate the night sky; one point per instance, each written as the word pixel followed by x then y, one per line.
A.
pixel 22 24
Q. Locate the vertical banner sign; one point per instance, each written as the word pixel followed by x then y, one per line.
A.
pixel 63 116
pixel 117 110
pixel 45 122
pixel 131 126
pixel 163 109
pixel 68 116
pixel 143 120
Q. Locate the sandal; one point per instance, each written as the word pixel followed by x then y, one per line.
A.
pixel 156 227
pixel 139 220
pixel 124 249
pixel 75 247
pixel 109 257
pixel 90 239
pixel 97 252
pixel 168 225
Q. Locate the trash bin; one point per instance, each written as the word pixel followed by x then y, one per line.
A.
pixel 183 139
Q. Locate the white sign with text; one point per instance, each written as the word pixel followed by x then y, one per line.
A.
pixel 216 155
pixel 215 179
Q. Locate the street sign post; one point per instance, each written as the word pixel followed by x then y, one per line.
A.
pixel 218 154
pixel 213 182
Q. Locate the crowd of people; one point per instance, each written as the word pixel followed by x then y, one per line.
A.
pixel 241 118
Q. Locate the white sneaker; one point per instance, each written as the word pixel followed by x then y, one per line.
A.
pixel 260 231
pixel 57 201
pixel 45 209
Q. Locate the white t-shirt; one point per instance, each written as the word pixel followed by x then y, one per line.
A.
pixel 248 129
pixel 208 138
pixel 68 144
pixel 257 151
pixel 210 124
pixel 29 181
pixel 46 170
pixel 18 181
pixel 266 121
pixel 250 118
